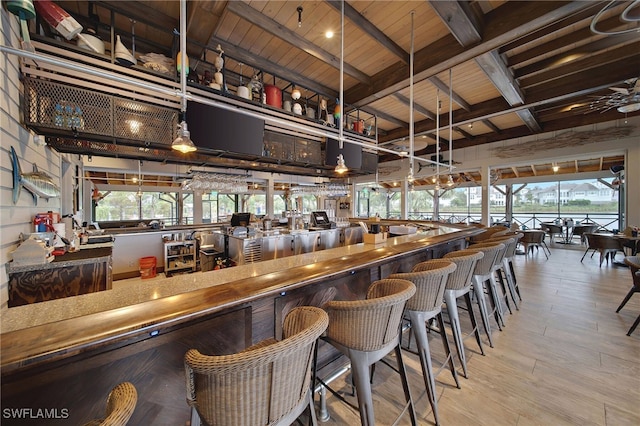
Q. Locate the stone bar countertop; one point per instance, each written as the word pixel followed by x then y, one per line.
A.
pixel 79 257
pixel 64 327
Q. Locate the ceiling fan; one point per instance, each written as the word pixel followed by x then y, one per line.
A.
pixel 623 99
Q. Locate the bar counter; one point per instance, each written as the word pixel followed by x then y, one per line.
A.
pixel 69 275
pixel 223 311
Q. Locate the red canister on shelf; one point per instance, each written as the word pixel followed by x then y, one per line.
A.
pixel 358 126
pixel 274 95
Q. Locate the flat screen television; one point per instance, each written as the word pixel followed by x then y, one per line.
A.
pixel 352 154
pixel 221 129
pixel 240 219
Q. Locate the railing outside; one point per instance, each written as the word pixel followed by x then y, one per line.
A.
pixel 606 221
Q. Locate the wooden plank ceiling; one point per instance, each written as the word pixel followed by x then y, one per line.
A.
pixel 513 68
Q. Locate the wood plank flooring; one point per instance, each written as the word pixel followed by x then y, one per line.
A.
pixel 562 359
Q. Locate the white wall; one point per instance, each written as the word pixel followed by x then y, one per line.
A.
pixel 17 219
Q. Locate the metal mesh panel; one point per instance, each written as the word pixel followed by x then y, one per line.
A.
pixel 57 106
pixel 309 152
pixel 144 122
pixel 51 105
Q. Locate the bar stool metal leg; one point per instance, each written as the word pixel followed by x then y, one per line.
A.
pixel 478 289
pixel 447 348
pixel 418 321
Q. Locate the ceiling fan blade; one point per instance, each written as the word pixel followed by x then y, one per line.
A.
pixel 620 90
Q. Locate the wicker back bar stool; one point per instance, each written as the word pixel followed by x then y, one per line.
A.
pixel 269 383
pixel 459 285
pixel 366 331
pixel 430 279
pixel 483 281
pixel 121 404
pixel 507 261
pixel 497 270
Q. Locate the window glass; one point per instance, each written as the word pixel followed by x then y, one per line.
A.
pixel 420 204
pixel 187 208
pixel 117 205
pixel 278 205
pixel 378 202
pixel 210 207
pixel 255 203
pixel 227 205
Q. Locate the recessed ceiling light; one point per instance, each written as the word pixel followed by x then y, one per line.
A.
pixel 328 34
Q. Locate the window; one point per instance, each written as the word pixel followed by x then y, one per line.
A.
pixel 126 205
pixel 420 205
pixel 227 205
pixel 254 203
pixel 210 207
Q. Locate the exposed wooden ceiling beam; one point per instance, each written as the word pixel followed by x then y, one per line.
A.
pixel 467 31
pixel 460 20
pixel 365 25
pixel 533 170
pixel 445 88
pixel 463 132
pixel 515 171
pixel 249 58
pixel 503 25
pixel 573 38
pixel 419 108
pixel 558 90
pixel 559 25
pixel 252 15
pixel 141 13
pixel 492 126
pixel 390 118
pixel 560 59
pixel 493 65
pixel 582 64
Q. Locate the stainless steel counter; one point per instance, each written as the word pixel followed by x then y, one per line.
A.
pixel 275 244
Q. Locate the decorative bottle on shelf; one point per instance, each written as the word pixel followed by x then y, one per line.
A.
pixel 337 110
pixel 218 63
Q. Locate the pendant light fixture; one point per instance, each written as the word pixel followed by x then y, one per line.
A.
pixel 450 124
pixel 139 193
pixel 410 177
pixel 183 142
pixel 341 167
pixel 437 188
pixel 450 181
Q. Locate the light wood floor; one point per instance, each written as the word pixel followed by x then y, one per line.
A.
pixel 562 359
